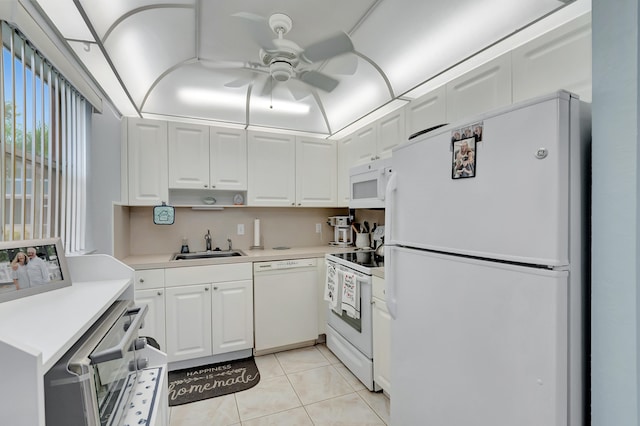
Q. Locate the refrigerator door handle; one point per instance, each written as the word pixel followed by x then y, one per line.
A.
pixel 390 283
pixel 392 185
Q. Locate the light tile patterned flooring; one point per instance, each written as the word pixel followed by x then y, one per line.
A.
pixel 300 387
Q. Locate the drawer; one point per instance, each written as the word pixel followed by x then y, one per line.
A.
pixel 190 275
pixel 149 278
pixel 378 288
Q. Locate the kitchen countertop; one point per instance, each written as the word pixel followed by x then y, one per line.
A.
pixel 153 261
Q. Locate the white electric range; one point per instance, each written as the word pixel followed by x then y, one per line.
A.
pixel 349 333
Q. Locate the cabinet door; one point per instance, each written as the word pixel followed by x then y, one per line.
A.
pixel 316 172
pixel 147 161
pixel 480 90
pixel 381 345
pixel 323 305
pixel 188 156
pixel 391 133
pixel 232 316
pixel 272 169
pixel 343 171
pixel 154 325
pixel 228 162
pixel 365 146
pixel 188 325
pixel 559 59
pixel 427 111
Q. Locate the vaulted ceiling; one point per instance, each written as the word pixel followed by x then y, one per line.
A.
pixel 226 61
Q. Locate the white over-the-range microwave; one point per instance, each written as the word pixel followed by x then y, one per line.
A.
pixel 367 184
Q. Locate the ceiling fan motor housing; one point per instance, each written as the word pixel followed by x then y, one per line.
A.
pixel 281 70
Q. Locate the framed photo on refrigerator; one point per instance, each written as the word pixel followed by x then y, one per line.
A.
pixel 464 158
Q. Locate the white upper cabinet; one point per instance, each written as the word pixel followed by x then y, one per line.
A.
pixel 427 111
pixel 272 169
pixel 390 133
pixel 188 156
pixel 228 159
pixel 560 59
pixel 375 140
pixel 316 172
pixel 344 162
pixel 289 171
pixel 147 161
pixel 367 144
pixel 480 90
pixel 364 146
pixel 203 157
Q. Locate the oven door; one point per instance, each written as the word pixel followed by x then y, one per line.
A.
pixel 92 384
pixel 355 331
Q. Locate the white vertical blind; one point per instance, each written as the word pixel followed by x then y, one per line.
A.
pixel 45 131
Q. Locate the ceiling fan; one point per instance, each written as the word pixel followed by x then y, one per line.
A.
pixel 284 60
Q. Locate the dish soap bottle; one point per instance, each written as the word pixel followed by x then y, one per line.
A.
pixel 185 246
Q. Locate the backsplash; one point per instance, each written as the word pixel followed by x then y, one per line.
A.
pixel 136 234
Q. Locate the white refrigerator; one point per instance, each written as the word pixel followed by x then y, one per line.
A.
pixel 486 270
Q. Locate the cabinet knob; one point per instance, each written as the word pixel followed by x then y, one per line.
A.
pixel 213 186
pixel 299 204
pixel 159 293
pixel 206 186
pixel 215 288
pixel 141 280
pixel 373 158
pixel 293 204
pixel 206 289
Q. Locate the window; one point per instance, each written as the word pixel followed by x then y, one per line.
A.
pixel 45 130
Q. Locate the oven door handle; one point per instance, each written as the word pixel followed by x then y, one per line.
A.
pixel 118 351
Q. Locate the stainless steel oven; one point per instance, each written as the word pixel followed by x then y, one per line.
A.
pixel 95 383
pixel 350 336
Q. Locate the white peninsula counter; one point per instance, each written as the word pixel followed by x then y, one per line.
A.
pixel 36 331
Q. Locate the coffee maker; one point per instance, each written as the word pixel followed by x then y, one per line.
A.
pixel 342 233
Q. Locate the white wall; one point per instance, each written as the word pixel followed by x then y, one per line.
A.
pixel 103 180
pixel 616 182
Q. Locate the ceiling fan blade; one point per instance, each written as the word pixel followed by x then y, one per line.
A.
pixel 298 89
pixel 267 88
pixel 259 29
pixel 238 82
pixel 328 48
pixel 319 80
pixel 345 65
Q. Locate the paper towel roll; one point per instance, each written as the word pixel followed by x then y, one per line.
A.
pixel 256 233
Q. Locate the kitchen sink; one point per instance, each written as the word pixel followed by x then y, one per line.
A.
pixel 214 254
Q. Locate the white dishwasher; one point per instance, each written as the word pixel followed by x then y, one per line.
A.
pixel 285 303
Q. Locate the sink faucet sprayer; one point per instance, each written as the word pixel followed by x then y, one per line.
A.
pixel 229 241
pixel 207 240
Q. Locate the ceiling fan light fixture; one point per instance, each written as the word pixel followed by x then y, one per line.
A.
pixel 281 70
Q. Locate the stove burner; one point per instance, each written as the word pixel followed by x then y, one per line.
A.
pixel 365 258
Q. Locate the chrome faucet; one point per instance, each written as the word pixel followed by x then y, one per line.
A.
pixel 207 240
pixel 229 241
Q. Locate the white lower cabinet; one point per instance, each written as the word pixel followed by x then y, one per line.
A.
pixel 232 316
pixel 381 337
pixel 188 322
pixel 154 325
pixel 149 290
pixel 207 310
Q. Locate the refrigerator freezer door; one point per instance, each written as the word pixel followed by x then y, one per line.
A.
pixel 516 208
pixel 477 343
